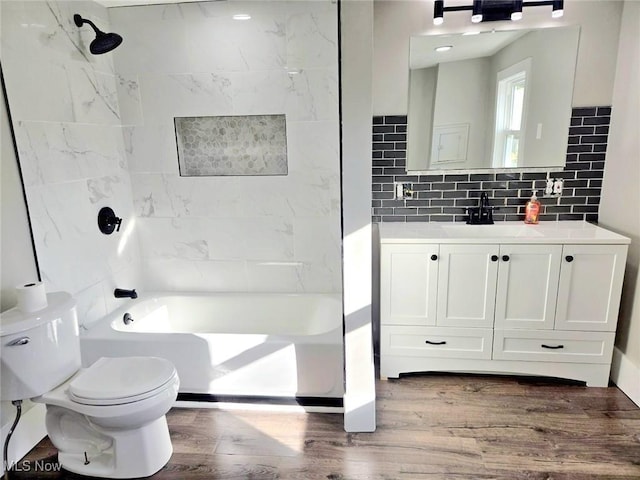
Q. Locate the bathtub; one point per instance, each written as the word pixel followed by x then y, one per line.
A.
pixel 228 344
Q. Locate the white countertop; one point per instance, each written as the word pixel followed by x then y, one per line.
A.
pixel 575 232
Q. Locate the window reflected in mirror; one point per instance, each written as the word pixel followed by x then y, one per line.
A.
pixel 511 109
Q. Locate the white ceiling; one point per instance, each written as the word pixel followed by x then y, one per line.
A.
pixel 423 52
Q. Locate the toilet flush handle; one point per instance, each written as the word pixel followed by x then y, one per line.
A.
pixel 18 341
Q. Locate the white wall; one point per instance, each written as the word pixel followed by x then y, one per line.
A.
pixel 67 125
pixel 621 196
pixel 17 260
pixel 395 21
pixel 356 49
pixel 234 233
pixel 423 82
pixel 459 101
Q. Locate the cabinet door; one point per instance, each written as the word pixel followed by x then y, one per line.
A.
pixel 408 276
pixel 527 286
pixel 467 285
pixel 590 287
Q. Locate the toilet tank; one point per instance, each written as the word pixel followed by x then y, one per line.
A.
pixel 38 350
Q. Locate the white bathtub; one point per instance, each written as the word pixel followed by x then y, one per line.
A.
pixel 227 344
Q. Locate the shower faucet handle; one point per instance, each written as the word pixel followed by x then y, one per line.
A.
pixel 108 222
pixel 117 221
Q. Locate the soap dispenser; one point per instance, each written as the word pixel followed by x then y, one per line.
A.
pixel 532 210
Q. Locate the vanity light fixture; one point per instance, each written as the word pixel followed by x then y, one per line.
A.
pixel 558 8
pixel 443 48
pixel 517 11
pixel 476 11
pixel 495 10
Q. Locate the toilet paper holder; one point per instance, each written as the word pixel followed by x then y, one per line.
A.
pixel 107 221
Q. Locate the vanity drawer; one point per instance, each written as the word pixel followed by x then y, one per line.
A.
pixel 442 342
pixel 553 346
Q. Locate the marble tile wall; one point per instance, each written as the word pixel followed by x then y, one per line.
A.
pixel 249 233
pixel 67 124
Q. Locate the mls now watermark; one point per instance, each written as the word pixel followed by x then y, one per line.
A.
pixel 34 466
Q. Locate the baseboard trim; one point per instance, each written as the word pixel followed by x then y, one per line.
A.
pixel 626 376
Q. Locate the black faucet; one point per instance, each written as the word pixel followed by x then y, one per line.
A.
pixel 484 200
pixel 483 213
pixel 122 293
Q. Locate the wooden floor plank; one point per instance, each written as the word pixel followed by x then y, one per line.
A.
pixel 431 427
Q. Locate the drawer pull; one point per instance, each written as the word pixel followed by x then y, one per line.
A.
pixel 552 347
pixel 435 343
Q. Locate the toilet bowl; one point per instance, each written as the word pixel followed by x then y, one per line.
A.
pixel 107 420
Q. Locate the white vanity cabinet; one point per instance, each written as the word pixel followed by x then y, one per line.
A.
pixel 539 300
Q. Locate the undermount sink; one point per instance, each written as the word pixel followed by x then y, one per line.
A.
pixel 491 231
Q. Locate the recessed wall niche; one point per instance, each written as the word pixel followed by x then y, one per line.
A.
pixel 232 145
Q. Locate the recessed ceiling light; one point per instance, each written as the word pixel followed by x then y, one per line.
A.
pixel 443 48
pixel 242 16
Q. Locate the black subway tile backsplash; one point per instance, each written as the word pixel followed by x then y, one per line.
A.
pixel 584 112
pixel 444 197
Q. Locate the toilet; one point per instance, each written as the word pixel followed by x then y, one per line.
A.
pixel 107 420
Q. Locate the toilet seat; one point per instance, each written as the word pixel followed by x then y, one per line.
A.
pixel 115 381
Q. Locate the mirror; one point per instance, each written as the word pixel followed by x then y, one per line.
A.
pixel 490 100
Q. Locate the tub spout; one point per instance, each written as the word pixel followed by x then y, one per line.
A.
pixel 122 293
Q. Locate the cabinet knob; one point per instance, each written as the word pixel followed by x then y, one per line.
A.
pixel 494 258
pixel 569 258
pixel 434 257
pixel 505 258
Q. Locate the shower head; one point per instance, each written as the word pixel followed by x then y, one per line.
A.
pixel 104 42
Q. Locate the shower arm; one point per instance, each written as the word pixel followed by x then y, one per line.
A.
pixel 79 21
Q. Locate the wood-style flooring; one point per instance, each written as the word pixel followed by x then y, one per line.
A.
pixel 429 427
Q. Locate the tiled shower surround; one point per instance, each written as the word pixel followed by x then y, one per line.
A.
pixel 97 130
pixel 233 233
pixel 444 197
pixel 66 120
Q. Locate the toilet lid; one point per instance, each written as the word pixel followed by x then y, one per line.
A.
pixel 111 381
